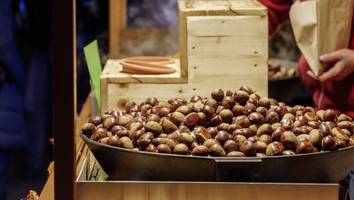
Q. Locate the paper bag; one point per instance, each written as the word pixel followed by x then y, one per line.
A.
pixel 321 26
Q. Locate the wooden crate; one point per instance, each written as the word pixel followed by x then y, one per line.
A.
pixel 223 44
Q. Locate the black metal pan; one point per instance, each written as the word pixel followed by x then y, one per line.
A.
pixel 124 164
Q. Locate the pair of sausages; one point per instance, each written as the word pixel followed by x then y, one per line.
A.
pixel 147 65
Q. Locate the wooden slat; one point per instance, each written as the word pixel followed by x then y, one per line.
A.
pixel 117 23
pixel 222 7
pixel 205 191
pixel 242 27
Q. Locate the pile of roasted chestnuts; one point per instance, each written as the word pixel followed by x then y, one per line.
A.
pixel 230 123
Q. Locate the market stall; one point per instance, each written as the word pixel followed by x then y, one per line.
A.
pixel 196 126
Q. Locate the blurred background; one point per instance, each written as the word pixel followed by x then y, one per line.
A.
pixel 25 73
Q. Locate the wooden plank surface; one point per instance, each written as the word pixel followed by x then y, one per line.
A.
pixel 205 191
pixel 117 23
pixel 240 27
pixel 223 7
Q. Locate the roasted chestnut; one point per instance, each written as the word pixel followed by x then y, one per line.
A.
pixel 248 148
pixel 200 150
pixel 181 149
pixel 305 147
pixel 274 148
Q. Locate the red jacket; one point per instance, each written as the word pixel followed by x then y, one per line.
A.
pixel 337 95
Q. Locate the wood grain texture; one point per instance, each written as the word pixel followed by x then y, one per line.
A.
pixel 204 191
pixel 117 23
pixel 222 7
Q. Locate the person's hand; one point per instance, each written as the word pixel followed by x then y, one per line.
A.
pixel 342 62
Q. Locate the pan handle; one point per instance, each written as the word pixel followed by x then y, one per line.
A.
pixel 240 170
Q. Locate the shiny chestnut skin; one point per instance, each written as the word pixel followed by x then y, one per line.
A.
pixel 314 124
pixel 238 110
pixel 230 145
pixel 288 153
pixel 243 131
pixel 274 148
pixel 145 140
pixel 201 134
pixel 208 111
pixel 248 148
pixel 305 147
pixel 235 154
pixel 154 127
pixel 127 142
pixel 153 117
pixel 114 141
pixel 212 102
pixel 152 101
pixel 226 115
pixel 242 120
pixel 215 121
pixel 241 97
pixel 195 98
pixel 99 134
pixel 224 127
pixel 256 118
pixel 177 118
pixel 109 122
pixel 228 102
pixel 261 147
pixel 247 89
pixel 181 149
pixel 200 150
pixel 88 129
pixel 218 94
pixel 287 123
pixel 344 117
pixel 222 137
pixel 96 120
pixel 264 129
pixel 163 148
pixel 265 138
pixel 184 109
pixel 264 102
pixel 249 108
pixel 328 143
pixel 311 116
pixel 168 126
pixel 151 148
pixel 346 125
pixel 191 120
pixel 315 136
pixel 210 142
pixel 160 111
pixel 330 115
pixel 277 133
pixel 185 138
pixel 217 150
pixel 289 140
pixel 263 111
pixel 272 117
